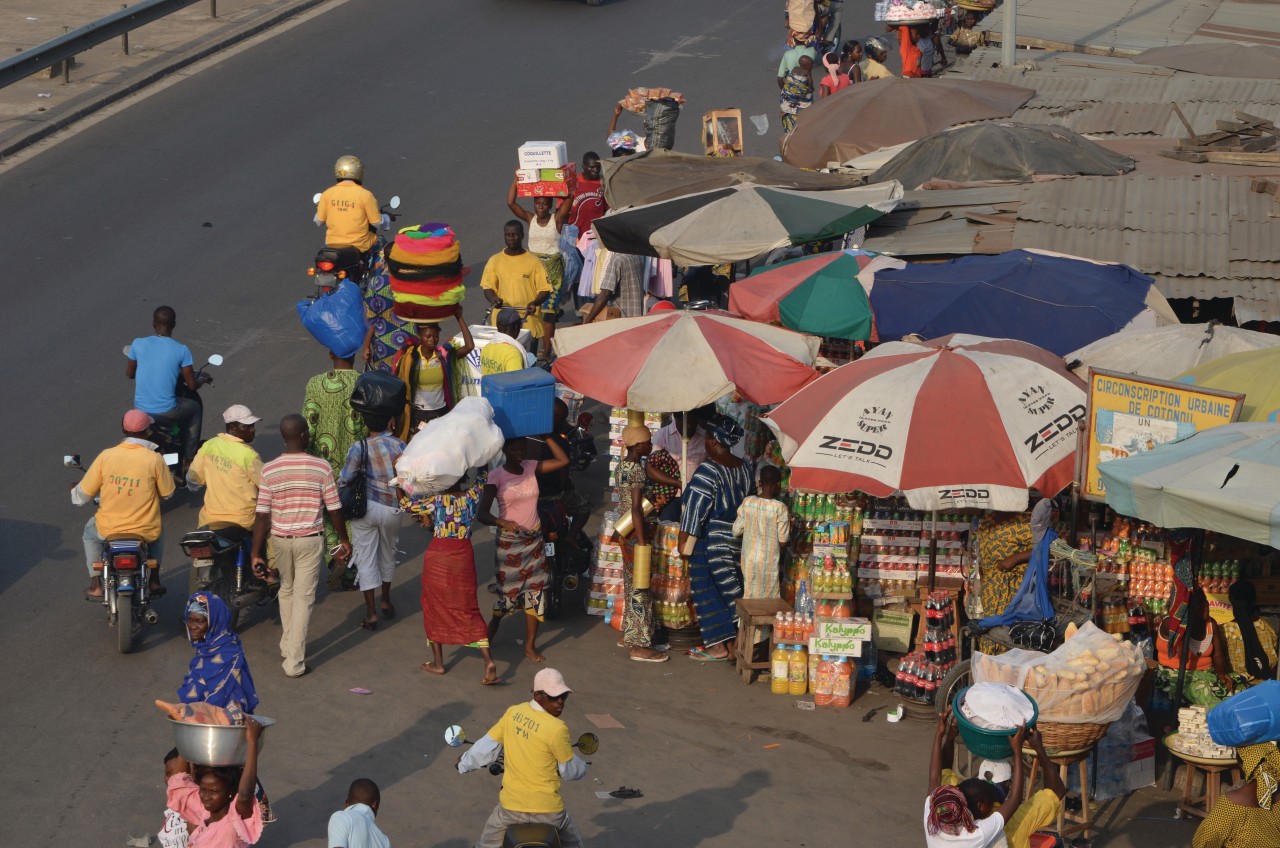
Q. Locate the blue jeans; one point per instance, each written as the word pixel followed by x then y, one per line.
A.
pixel 93 545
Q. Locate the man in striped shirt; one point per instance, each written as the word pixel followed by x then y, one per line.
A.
pixel 297 490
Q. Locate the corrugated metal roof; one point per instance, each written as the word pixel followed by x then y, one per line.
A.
pixel 1105 25
pixel 1257 23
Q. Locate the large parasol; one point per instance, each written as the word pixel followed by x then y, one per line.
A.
pixel 957 422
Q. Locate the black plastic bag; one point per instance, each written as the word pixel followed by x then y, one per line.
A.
pixel 380 393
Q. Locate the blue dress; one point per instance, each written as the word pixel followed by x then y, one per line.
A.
pixel 711 502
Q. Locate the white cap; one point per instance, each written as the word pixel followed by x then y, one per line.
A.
pixel 239 414
pixel 995 771
pixel 550 682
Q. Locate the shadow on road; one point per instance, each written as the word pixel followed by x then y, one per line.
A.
pixel 687 820
pixel 28 543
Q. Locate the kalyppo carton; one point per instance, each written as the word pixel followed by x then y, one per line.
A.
pixel 543 154
pixel 527 175
pixel 558 175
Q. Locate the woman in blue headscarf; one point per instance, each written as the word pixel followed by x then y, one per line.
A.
pixel 219 672
pixel 711 501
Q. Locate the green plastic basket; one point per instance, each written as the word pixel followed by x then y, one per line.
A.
pixel 985 743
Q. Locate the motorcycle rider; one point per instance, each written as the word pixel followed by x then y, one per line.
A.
pixel 130 479
pixel 538 756
pixel 349 211
pixel 231 469
pixel 156 363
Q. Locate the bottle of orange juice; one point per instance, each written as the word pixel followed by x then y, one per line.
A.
pixel 825 679
pixel 842 683
pixel 779 670
pixel 798 671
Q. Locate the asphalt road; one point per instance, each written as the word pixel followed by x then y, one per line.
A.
pixel 199 197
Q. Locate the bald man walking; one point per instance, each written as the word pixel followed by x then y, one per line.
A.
pixel 297 490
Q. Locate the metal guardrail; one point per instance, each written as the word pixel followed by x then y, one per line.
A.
pixel 63 49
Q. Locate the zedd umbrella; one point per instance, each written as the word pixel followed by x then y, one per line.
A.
pixel 823 295
pixel 739 222
pixel 859 119
pixel 960 421
pixel 1058 302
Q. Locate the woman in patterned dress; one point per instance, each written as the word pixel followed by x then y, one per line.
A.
pixel 1004 549
pixel 711 501
pixel 450 613
pixel 638 623
pixel 387 334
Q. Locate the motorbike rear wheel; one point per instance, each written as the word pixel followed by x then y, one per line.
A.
pixel 554 591
pixel 222 586
pixel 128 622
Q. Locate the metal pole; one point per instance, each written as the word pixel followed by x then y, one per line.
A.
pixel 67 63
pixel 124 36
pixel 1008 41
pixel 213 8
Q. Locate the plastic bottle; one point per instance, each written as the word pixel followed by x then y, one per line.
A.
pixel 814 659
pixel 824 681
pixel 788 627
pixel 798 671
pixel 841 609
pixel 868 662
pixel 824 609
pixel 779 670
pixel 778 631
pixel 842 683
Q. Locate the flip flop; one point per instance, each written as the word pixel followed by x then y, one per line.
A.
pixel 662 658
pixel 389 612
pixel 700 655
pixel 624 792
pixel 366 624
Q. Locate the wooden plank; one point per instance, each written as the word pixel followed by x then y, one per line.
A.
pixel 1266 186
pixel 1197 142
pixel 1183 118
pixel 1184 155
pixel 1257 145
pixel 997 220
pixel 1150 70
pixel 1270 158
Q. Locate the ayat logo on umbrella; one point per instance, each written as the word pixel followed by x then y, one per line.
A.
pixel 874 419
pixel 1036 400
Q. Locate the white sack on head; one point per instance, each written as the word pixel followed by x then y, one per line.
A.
pixel 439 454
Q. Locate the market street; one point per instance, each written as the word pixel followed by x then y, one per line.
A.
pixel 199 197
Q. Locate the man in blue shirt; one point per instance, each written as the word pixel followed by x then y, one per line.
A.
pixel 156 362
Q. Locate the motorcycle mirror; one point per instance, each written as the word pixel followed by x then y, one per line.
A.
pixel 315 198
pixel 126 349
pixel 395 202
pixel 170 459
pixel 216 359
pixel 454 736
pixel 588 743
pixel 71 461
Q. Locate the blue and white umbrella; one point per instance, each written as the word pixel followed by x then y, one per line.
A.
pixel 1225 479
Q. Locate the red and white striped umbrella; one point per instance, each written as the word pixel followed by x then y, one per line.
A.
pixel 960 421
pixel 676 361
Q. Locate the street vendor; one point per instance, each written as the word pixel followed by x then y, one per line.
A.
pixel 638 623
pixel 797 93
pixel 1005 542
pixel 1249 639
pixel 1206 679
pixel 711 501
pixel 544 243
pixel 1249 815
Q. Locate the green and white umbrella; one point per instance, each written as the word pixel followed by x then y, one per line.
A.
pixel 739 222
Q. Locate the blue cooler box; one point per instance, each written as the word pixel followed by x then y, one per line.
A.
pixel 522 401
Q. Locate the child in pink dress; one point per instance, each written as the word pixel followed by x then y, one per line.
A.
pixel 219 803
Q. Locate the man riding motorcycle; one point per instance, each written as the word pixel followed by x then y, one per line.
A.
pixel 129 479
pixel 232 470
pixel 156 363
pixel 349 211
pixel 538 755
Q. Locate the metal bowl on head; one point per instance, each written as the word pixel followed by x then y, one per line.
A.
pixel 214 744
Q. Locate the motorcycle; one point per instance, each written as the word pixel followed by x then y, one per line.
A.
pixel 567 549
pixel 582 445
pixel 220 565
pixel 126 592
pixel 332 265
pixel 530 835
pixel 169 438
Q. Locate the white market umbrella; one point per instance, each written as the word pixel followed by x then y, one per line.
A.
pixel 1165 352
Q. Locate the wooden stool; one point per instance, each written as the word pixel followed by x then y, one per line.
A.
pixel 753 613
pixel 1064 760
pixel 1200 805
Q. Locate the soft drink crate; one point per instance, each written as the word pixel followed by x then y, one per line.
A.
pixel 543 154
pixel 522 401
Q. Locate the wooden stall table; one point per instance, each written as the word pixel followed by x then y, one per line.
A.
pixel 753 613
pixel 1202 803
pixel 1081 822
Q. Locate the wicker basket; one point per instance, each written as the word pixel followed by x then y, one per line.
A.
pixel 1059 736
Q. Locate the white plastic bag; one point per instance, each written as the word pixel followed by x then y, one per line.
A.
pixel 440 453
pixel 1090 679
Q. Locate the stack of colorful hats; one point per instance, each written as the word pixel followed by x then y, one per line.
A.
pixel 425 266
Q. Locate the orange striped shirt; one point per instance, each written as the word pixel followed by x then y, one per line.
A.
pixel 295 491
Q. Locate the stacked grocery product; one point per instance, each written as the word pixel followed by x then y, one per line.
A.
pixel 618 423
pixel 893 553
pixel 606 575
pixel 545 170
pixel 424 264
pixel 672 599
pixel 1193 736
pixel 920 674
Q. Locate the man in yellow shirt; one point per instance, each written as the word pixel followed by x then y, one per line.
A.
pixel 873 67
pixel 129 480
pixel 515 277
pixel 348 209
pixel 505 354
pixel 231 469
pixel 538 754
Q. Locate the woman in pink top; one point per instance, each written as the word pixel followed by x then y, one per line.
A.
pixel 522 567
pixel 218 803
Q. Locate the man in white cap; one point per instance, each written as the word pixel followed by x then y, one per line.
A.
pixel 129 481
pixel 231 469
pixel 538 756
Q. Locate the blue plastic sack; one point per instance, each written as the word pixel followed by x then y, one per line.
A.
pixel 336 319
pixel 1249 717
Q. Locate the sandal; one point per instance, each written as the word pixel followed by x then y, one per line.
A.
pixel 700 655
pixel 367 624
pixel 389 611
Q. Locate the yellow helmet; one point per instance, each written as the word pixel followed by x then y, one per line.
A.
pixel 349 168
